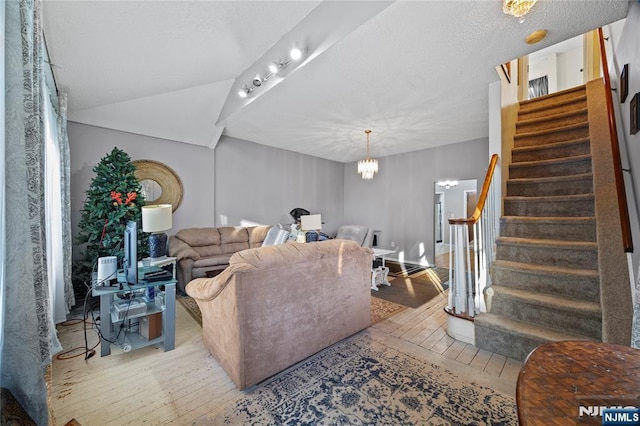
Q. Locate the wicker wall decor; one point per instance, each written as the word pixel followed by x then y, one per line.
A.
pixel 165 177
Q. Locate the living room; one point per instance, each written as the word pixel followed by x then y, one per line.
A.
pixel 240 181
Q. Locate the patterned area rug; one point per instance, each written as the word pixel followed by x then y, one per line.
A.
pixel 380 309
pixel 361 381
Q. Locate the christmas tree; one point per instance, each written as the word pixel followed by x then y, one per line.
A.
pixel 113 199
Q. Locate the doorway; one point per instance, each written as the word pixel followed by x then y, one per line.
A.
pixel 451 201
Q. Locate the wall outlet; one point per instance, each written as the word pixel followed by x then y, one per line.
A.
pixel 393 244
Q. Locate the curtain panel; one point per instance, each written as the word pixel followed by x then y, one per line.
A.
pixel 65 189
pixel 26 323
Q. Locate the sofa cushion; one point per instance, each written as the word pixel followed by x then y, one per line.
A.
pixel 221 259
pixel 208 251
pixel 231 234
pixel 197 237
pixel 257 234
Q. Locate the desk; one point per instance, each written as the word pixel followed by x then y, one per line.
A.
pixel 560 377
pixel 379 275
pixel 111 324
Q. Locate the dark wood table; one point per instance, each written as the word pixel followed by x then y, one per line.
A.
pixel 560 377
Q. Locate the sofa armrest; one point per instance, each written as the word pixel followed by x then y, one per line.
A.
pixel 205 289
pixel 181 250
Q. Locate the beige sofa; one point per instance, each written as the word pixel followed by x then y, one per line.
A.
pixel 202 250
pixel 277 305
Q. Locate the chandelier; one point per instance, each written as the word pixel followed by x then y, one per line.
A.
pixel 369 166
pixel 517 8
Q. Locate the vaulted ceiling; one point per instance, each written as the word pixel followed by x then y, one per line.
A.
pixel 415 72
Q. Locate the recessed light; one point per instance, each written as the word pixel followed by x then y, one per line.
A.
pixel 536 36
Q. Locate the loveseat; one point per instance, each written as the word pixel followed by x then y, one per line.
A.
pixel 203 250
pixel 274 306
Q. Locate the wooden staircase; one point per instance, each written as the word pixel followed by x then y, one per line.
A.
pixel 545 279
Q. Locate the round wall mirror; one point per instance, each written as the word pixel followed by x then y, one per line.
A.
pixel 161 185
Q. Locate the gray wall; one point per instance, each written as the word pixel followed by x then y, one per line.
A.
pixel 627 52
pixel 252 183
pixel 194 165
pixel 399 200
pixel 261 184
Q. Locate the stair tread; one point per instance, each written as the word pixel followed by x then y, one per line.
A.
pixel 528 329
pixel 554 301
pixel 582 88
pixel 549 219
pixel 551 117
pixel 552 130
pixel 545 179
pixel 551 161
pixel 542 269
pixel 546 242
pixel 569 197
pixel 551 145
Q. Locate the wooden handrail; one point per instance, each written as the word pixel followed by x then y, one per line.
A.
pixel 617 166
pixel 483 195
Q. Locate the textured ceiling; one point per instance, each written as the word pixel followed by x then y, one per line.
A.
pixel 415 72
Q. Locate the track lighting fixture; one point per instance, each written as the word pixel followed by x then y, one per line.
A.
pixel 274 68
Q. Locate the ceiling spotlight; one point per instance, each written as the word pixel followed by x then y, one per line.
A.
pixel 244 92
pixel 295 54
pixel 274 67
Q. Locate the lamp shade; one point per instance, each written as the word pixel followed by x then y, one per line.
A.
pixel 156 218
pixel 310 222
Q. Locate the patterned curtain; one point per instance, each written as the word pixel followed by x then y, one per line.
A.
pixel 65 190
pixel 26 322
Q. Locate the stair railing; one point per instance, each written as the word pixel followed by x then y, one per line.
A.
pixel 469 264
pixel 617 163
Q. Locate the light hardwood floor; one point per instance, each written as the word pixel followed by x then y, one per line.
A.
pixel 183 386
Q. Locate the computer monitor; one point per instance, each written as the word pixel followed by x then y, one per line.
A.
pixel 130 261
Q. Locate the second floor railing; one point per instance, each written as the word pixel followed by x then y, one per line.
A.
pixel 469 261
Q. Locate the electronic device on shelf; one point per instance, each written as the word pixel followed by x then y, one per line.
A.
pixel 107 270
pixel 158 276
pixel 128 307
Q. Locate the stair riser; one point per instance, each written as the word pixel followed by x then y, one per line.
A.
pixel 529 113
pixel 545 138
pixel 576 286
pixel 564 168
pixel 563 151
pixel 512 345
pixel 546 231
pixel 538 208
pixel 549 101
pixel 543 189
pixel 548 255
pixel 551 122
pixel 585 324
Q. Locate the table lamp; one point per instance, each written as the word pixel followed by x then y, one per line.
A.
pixel 156 219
